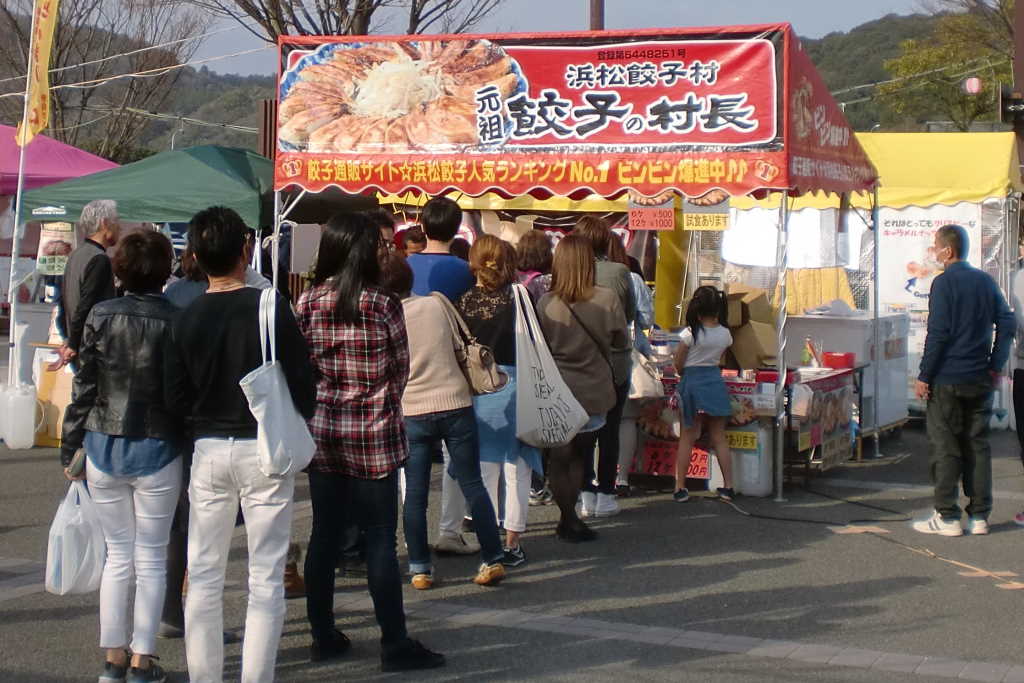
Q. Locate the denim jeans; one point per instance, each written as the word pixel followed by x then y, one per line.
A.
pixel 958 423
pixel 373 505
pixel 225 472
pixel 135 514
pixel 457 428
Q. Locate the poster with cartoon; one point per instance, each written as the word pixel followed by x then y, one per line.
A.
pixel 907 263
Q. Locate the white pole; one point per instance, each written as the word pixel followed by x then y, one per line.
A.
pixel 19 226
pixel 877 325
pixel 277 234
pixel 781 424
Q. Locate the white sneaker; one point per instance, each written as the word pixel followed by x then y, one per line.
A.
pixel 606 506
pixel 588 504
pixel 936 525
pixel 977 527
pixel 455 544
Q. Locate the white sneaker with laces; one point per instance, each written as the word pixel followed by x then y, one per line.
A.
pixel 977 527
pixel 455 545
pixel 607 505
pixel 936 525
pixel 588 504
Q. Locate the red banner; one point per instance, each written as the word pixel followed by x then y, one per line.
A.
pixel 486 113
pixel 823 151
pixel 682 110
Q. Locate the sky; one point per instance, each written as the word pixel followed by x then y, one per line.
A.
pixel 811 18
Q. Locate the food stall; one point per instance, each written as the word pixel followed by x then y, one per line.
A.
pixel 681 119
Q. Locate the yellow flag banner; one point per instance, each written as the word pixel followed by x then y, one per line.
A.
pixel 44 21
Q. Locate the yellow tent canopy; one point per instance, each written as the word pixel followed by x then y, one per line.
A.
pixel 924 169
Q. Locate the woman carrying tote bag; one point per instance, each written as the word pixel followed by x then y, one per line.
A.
pixel 489 310
pixel 127 413
pixel 585 329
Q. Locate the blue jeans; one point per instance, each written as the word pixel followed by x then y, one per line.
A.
pixel 458 430
pixel 372 504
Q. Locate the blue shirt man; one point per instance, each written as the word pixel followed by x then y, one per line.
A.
pixel 958 369
pixel 440 272
pixel 434 269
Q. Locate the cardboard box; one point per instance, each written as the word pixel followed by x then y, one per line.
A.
pixel 754 302
pixel 54 393
pixel 755 345
pixel 734 312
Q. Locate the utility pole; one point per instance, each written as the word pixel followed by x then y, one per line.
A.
pixel 597 17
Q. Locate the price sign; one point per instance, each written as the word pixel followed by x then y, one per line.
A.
pixel 652 216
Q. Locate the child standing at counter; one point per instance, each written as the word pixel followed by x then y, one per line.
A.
pixel 703 399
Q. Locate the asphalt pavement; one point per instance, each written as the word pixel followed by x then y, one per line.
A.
pixel 831 585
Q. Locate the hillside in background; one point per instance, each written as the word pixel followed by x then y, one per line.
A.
pixel 858 57
pixel 844 60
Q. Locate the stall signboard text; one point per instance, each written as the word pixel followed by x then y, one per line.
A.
pixel 555 114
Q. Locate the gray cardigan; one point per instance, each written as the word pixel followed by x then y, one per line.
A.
pixel 583 365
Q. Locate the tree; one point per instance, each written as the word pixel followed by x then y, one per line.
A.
pixel 96 109
pixel 274 18
pixel 929 73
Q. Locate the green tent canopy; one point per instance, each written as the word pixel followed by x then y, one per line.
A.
pixel 169 187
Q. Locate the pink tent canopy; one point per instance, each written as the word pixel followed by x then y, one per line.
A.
pixel 46 162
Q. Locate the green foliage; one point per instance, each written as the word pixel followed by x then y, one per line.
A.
pixel 857 58
pixel 931 71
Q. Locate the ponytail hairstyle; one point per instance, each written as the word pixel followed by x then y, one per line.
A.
pixel 707 302
pixel 347 257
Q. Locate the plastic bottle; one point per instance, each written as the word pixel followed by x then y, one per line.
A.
pixel 21 424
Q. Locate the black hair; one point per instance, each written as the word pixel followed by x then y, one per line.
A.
pixel 142 261
pixel 396 274
pixel 459 247
pixel 381 218
pixel 217 236
pixel 707 302
pixel 348 255
pixel 441 218
pixel 954 237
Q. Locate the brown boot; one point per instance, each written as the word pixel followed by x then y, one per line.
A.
pixel 294 586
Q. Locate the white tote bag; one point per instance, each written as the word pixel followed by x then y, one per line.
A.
pixel 282 438
pixel 547 413
pixel 76 551
pixel 645 381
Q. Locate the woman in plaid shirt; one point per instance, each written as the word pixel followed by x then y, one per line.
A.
pixel 356 335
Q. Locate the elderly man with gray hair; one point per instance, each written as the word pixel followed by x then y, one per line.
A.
pixel 88 276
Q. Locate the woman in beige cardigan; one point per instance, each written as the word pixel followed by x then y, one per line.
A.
pixel 585 328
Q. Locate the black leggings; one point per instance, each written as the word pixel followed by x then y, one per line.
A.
pixel 565 475
pixel 608 447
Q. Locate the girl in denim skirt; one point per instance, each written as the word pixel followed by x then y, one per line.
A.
pixel 703 399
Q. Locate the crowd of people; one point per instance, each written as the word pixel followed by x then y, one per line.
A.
pixel 370 354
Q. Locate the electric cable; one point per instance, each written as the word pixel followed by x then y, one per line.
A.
pixel 130 53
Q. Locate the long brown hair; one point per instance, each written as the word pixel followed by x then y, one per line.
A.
pixel 572 269
pixel 493 262
pixel 617 251
pixel 596 231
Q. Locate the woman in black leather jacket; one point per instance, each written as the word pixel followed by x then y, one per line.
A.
pixel 127 414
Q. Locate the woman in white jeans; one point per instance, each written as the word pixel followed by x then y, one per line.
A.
pixel 126 413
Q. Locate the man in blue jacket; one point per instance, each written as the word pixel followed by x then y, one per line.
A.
pixel 958 370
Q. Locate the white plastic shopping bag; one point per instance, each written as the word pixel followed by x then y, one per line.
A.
pixel 282 437
pixel 547 413
pixel 76 551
